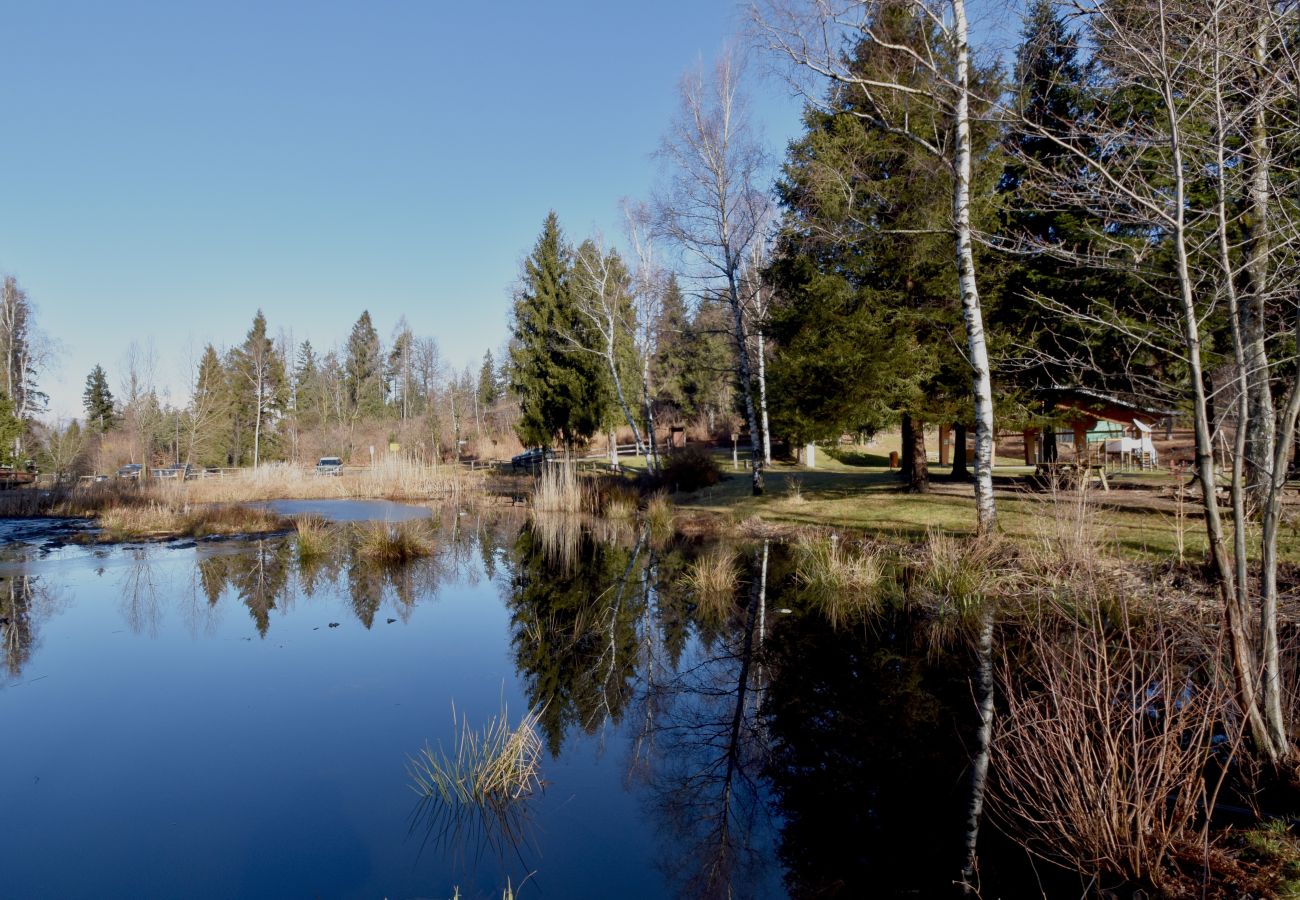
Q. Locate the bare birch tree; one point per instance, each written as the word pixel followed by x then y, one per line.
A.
pixel 1178 171
pixel 601 298
pixel 713 208
pixel 931 78
pixel 647 299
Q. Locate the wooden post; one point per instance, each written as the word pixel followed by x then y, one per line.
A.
pixel 1031 446
pixel 944 454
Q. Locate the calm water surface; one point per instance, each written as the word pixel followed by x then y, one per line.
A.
pixel 228 719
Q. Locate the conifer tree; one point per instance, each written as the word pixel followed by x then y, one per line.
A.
pixel 364 369
pixel 97 400
pixel 560 392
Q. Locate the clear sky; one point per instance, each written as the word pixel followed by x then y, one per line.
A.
pixel 167 168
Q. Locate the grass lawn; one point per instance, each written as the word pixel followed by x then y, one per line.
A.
pixel 857 490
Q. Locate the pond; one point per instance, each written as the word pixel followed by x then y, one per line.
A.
pixel 232 718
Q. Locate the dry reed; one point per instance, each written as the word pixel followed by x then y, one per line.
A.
pixel 560 488
pixel 489 769
pixel 394 542
pixel 843 582
pixel 712 579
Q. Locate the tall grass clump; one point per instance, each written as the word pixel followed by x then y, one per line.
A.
pixel 394 542
pixel 559 488
pixel 314 536
pixel 659 514
pixel 490 769
pixel 957 580
pixel 712 579
pixel 844 582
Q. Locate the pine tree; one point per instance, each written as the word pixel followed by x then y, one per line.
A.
pixel 364 370
pixel 260 380
pixel 211 412
pixel 97 400
pixel 671 360
pixel 560 392
pixel 308 393
pixel 867 312
pixel 489 391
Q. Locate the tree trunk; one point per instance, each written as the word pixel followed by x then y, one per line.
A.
pixel 747 386
pixel 613 450
pixel 960 471
pixel 652 459
pixel 618 390
pixel 1260 423
pixel 762 400
pixel 918 467
pixel 905 457
pixel 977 349
pixel 1050 452
pixel 984 740
pixel 1220 566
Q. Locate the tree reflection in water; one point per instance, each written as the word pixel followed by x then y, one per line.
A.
pixel 26 601
pixel 601 627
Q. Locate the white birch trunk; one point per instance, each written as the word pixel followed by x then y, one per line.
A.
pixel 977 348
pixel 762 401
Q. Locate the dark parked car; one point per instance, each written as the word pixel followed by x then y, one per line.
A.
pixel 329 465
pixel 531 459
pixel 130 470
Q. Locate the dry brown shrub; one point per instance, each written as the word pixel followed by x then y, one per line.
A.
pixel 1101 755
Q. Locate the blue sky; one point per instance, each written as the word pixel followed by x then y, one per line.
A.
pixel 167 168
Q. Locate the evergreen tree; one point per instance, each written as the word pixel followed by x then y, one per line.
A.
pixel 560 392
pixel 211 410
pixel 11 430
pixel 364 370
pixel 489 390
pixel 308 400
pixel 97 400
pixel 867 318
pixel 671 360
pixel 259 379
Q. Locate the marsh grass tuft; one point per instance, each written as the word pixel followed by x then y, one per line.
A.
pixel 659 513
pixel 794 490
pixel 712 579
pixel 156 519
pixel 315 536
pixel 560 488
pixel 394 542
pixel 489 769
pixel 957 579
pixel 843 581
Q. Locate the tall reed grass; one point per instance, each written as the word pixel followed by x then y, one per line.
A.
pixel 845 582
pixel 559 488
pixel 394 542
pixel 489 768
pixel 712 579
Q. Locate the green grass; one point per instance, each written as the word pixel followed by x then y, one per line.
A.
pixel 871 498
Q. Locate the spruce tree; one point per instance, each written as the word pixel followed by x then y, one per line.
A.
pixel 489 391
pixel 97 400
pixel 561 393
pixel 364 370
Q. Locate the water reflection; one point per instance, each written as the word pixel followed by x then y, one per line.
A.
pixel 760 750
pixel 26 601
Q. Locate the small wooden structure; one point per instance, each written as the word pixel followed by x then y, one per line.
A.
pixel 676 437
pixel 1103 430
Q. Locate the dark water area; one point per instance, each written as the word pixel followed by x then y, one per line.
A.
pixel 233 719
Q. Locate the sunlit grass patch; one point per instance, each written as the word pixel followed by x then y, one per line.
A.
pixel 712 579
pixel 315 537
pixel 394 542
pixel 659 513
pixel 843 581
